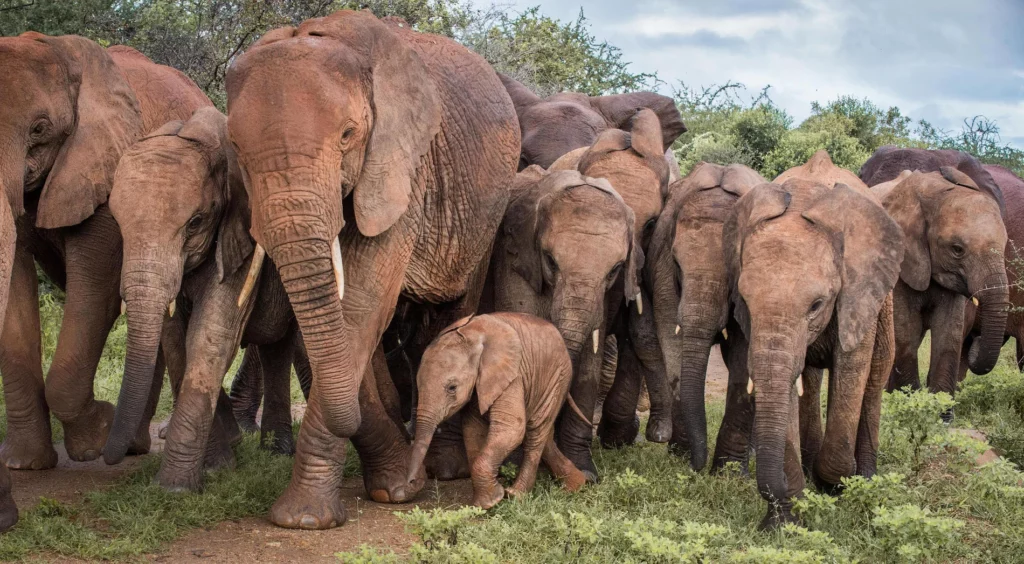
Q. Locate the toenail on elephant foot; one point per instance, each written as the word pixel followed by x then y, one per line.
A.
pixel 297 511
pixel 85 436
pixel 659 430
pixel 490 498
pixel 391 485
pixel 27 456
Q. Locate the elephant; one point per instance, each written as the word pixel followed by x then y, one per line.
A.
pixel 8 509
pixel 70 110
pixel 955 239
pixel 632 162
pixel 562 122
pixel 377 161
pixel 187 246
pixel 692 310
pixel 811 269
pixel 519 371
pixel 564 251
pixel 248 393
pixel 944 288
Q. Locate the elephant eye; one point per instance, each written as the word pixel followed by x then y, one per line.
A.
pixel 451 389
pixel 194 222
pixel 550 265
pixel 816 306
pixel 40 127
pixel 615 272
pixel 957 249
pixel 347 134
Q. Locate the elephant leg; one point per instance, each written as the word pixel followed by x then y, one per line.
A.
pixel 644 339
pixel 276 425
pixel 8 511
pixel 387 392
pixel 533 450
pixel 866 452
pixel 382 447
pixel 946 320
pixel 848 379
pixel 574 437
pixel 505 433
pixel 247 389
pixel 733 443
pixel 810 417
pixel 910 328
pixel 312 499
pixel 172 345
pixel 93 265
pixel 563 468
pixel 474 433
pixel 143 440
pixel 303 371
pixel 619 422
pixel 224 434
pixel 28 444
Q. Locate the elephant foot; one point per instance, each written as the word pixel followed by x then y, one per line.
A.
pixel 300 508
pixel 278 441
pixel 387 482
pixel 162 429
pixel 178 481
pixel 22 452
pixel 447 461
pixel 777 517
pixel 142 442
pixel 488 497
pixel 85 435
pixel 219 455
pixel 659 429
pixel 721 464
pixel 617 434
pixel 8 512
pixel 584 462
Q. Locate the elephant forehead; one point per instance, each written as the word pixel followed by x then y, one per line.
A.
pixel 973 217
pixel 636 182
pixel 788 252
pixel 32 73
pixel 165 179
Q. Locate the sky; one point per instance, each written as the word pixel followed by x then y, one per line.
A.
pixel 938 60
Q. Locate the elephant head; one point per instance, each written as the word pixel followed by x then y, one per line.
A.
pixel 338 109
pixel 805 260
pixel 474 354
pixel 175 206
pixel 571 239
pixel 955 238
pixel 690 286
pixel 558 124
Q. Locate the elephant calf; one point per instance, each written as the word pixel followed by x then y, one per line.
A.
pixel 520 372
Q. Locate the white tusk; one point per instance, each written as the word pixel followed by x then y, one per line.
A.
pixel 170 307
pixel 258 255
pixel 725 334
pixel 596 335
pixel 677 329
pixel 124 307
pixel 639 303
pixel 750 386
pixel 800 385
pixel 339 267
pixel 975 300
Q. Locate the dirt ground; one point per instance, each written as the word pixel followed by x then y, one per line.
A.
pixel 255 539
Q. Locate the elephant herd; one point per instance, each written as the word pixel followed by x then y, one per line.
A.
pixel 371 187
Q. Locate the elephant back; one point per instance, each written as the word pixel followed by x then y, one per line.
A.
pixel 164 93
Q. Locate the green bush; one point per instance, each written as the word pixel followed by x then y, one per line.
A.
pixel 911 534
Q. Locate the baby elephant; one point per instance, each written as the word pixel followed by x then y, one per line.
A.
pixel 519 368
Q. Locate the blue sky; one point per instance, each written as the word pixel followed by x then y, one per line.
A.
pixel 939 60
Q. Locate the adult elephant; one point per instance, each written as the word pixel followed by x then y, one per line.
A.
pixel 692 310
pixel 70 109
pixel 8 510
pixel 565 252
pixel 632 162
pixel 955 241
pixel 811 269
pixel 562 122
pixel 887 164
pixel 377 161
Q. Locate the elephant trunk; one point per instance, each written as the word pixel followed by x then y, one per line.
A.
pixel 147 297
pixel 774 370
pixel 993 303
pixel 426 425
pixel 299 230
pixel 578 313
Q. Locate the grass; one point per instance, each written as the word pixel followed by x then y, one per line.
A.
pixel 928 503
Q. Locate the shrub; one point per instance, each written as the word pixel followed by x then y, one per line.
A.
pixel 910 533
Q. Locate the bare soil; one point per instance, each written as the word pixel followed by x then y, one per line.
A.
pixel 255 539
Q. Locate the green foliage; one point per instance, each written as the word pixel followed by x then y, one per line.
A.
pixel 995 402
pixel 439 526
pixel 978 136
pixel 914 427
pixel 911 534
pixel 368 555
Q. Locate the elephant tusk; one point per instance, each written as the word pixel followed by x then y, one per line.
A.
pixel 339 267
pixel 170 307
pixel 596 335
pixel 725 334
pixel 678 328
pixel 258 255
pixel 124 307
pixel 639 303
pixel 974 301
pixel 800 385
pixel 750 386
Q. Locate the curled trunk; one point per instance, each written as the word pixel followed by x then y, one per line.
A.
pixel 993 303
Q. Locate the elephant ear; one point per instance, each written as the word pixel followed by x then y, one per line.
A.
pixel 608 141
pixel 234 243
pixel 522 97
pixel 645 138
pixel 872 245
pixel 500 357
pixel 108 122
pixel 619 109
pixel 904 206
pixel 406 114
pixel 738 179
pixel 519 227
pixel 762 203
pixel 973 168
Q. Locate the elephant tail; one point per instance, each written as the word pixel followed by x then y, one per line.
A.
pixel 577 411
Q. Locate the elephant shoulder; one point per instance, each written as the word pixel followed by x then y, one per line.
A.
pixel 164 93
